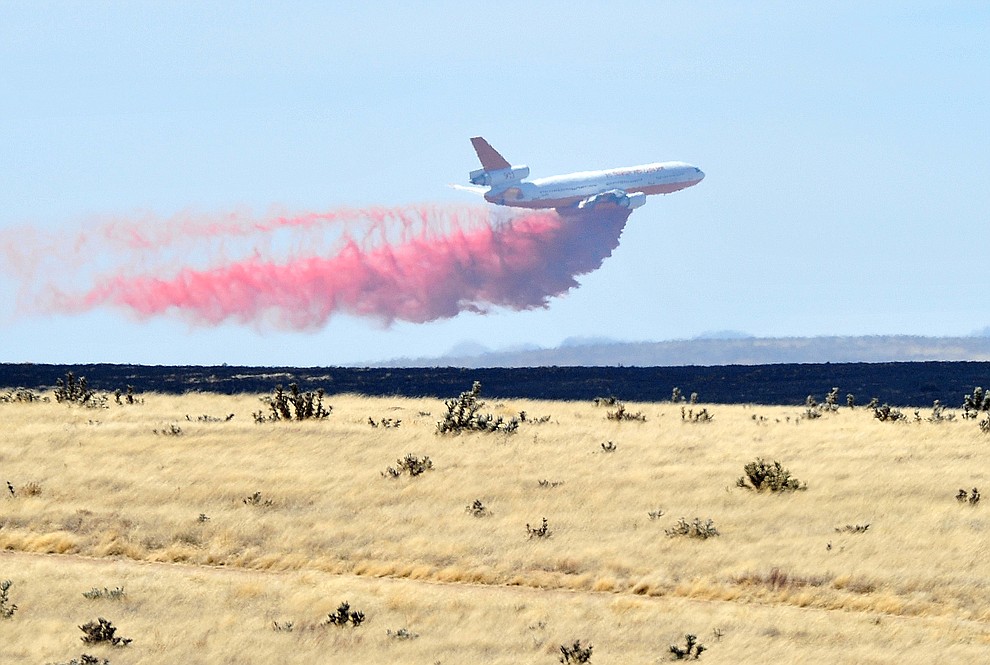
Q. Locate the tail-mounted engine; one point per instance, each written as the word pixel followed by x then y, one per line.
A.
pixel 499 177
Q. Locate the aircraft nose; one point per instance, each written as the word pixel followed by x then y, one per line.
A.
pixel 700 174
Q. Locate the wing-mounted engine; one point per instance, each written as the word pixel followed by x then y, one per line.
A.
pixel 615 197
pixel 498 177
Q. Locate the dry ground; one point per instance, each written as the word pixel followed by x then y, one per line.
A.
pixel 152 499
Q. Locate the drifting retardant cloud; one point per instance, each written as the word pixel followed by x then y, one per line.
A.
pixel 417 263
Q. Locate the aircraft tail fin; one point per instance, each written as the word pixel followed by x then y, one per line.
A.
pixel 490 159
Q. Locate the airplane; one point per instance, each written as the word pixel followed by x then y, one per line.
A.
pixel 625 187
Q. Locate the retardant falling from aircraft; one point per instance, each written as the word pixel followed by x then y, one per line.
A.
pixel 412 264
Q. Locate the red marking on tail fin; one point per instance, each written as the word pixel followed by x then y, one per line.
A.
pixel 490 159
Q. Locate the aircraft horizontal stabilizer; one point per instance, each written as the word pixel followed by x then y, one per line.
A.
pixel 474 189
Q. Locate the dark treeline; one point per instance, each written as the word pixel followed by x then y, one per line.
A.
pixel 901 384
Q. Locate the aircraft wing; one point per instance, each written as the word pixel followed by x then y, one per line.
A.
pixel 614 197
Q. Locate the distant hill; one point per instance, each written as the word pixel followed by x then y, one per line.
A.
pixel 721 350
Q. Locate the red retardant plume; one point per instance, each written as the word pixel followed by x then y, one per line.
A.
pixel 444 260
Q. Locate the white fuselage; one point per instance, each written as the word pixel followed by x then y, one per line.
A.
pixel 565 190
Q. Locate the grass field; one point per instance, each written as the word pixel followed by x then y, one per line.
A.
pixel 223 532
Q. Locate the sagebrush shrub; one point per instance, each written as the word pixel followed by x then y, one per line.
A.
pixel 345 615
pixel 620 414
pixel 463 415
pixel 695 529
pixel 771 477
pixel 102 630
pixel 972 498
pixel 542 531
pixel 885 413
pixel 691 648
pixel 575 653
pixel 116 593
pixel 410 464
pixel 7 608
pixel 296 405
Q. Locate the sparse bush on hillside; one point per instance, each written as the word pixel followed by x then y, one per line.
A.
pixel 211 419
pixel 691 648
pixel 939 415
pixel 401 634
pixel 606 401
pixel 885 413
pixel 620 414
pixel 410 464
pixel 387 423
pixel 256 500
pixel 702 416
pixel 101 631
pixel 542 531
pixel 463 416
pixel 696 529
pixel 7 608
pixel 771 477
pixel 85 659
pixel 77 391
pixel 575 653
pixel 812 410
pixel 852 528
pixel 609 447
pixel 972 498
pixel 129 398
pixel 71 389
pixel 344 616
pixel 116 593
pixel 976 402
pixel 21 395
pixel 296 405
pixel 479 509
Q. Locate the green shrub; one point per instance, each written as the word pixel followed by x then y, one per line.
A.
pixel 978 401
pixel 100 631
pixel 410 464
pixel 296 405
pixel 463 416
pixel 542 531
pixel 85 659
pixel 575 653
pixel 253 500
pixel 972 498
pixel 691 648
pixel 21 395
pixel 344 615
pixel 620 414
pixel 109 594
pixel 401 634
pixel 772 477
pixel 696 529
pixel 885 413
pixel 7 608
pixel 478 509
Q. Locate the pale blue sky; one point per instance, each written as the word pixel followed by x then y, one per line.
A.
pixel 846 148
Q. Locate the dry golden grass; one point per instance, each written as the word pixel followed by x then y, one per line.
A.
pixel 119 503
